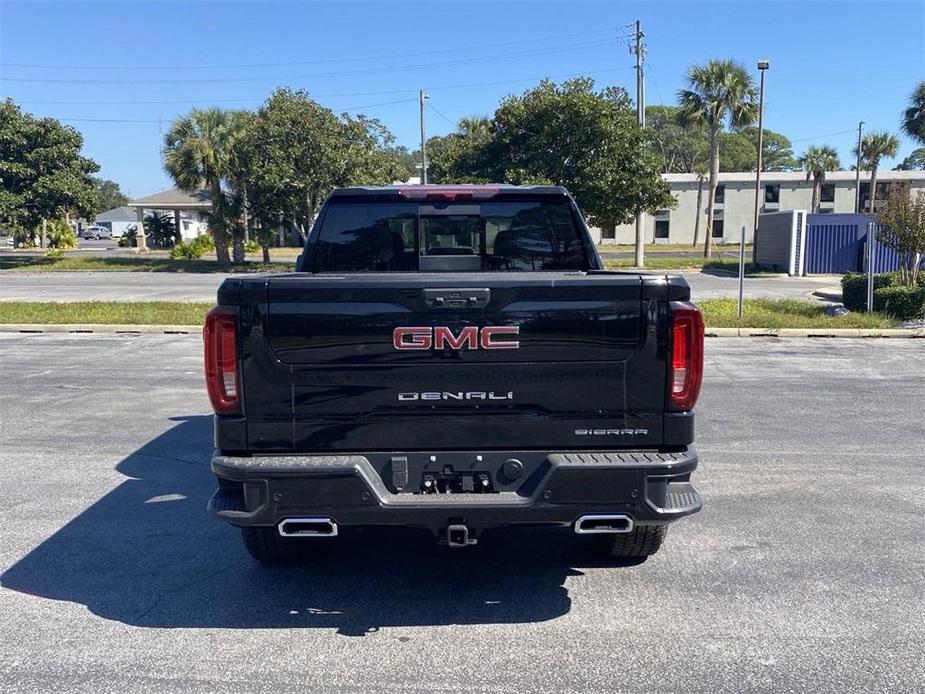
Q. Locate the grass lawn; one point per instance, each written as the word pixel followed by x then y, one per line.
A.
pixel 127 263
pixel 114 312
pixel 725 249
pixel 685 263
pixel 785 313
pixel 718 313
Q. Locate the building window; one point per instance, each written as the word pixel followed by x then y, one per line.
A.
pixel 772 194
pixel 608 231
pixel 717 228
pixel 827 194
pixel 720 195
pixel 661 228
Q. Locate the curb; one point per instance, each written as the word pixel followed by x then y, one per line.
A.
pixel 99 328
pixel 708 332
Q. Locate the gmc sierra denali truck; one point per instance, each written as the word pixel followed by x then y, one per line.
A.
pixel 453 358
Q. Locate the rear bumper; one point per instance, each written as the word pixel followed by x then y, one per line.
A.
pixel 650 487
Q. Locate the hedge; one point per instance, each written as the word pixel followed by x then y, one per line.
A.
pixel 905 303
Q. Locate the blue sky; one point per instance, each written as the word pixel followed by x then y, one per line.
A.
pixel 832 63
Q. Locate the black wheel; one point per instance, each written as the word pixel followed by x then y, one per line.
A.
pixel 267 546
pixel 643 541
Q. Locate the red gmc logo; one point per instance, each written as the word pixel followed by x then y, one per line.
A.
pixel 441 337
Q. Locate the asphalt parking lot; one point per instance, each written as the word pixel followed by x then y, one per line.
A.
pixel 804 573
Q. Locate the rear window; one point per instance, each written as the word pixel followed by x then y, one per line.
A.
pixel 432 236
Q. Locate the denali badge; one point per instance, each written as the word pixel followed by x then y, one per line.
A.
pixel 470 337
pixel 458 395
pixel 611 432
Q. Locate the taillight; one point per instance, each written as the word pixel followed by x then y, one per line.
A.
pixel 221 360
pixel 686 372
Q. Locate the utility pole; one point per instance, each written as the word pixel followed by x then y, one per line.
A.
pixel 763 65
pixel 857 174
pixel 641 119
pixel 423 98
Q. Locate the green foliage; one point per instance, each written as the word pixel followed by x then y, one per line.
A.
pixel 903 302
pixel 54 253
pixel 58 234
pixel 569 135
pixel 252 246
pixel 784 313
pixel 902 221
pixel 42 173
pixel 161 229
pixel 682 148
pixel 109 195
pixel 913 118
pixel 914 162
pixel 128 238
pixel 194 249
pixel 777 151
pixel 816 161
pixel 105 312
pixel 854 288
pixel 736 152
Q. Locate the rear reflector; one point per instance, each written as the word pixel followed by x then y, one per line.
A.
pixel 221 359
pixel 686 356
pixel 448 192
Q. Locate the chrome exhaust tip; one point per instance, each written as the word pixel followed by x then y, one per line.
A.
pixel 598 523
pixel 307 527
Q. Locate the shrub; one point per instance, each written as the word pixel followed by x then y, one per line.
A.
pixel 60 234
pixel 903 302
pixel 252 246
pixel 127 240
pixel 194 249
pixel 854 288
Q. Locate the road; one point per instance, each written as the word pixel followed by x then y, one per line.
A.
pixel 167 286
pixel 804 573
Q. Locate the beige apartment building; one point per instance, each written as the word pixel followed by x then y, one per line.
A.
pixel 735 202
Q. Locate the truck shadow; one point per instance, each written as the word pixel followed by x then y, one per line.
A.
pixel 146 554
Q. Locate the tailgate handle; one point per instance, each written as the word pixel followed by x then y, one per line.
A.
pixel 457 298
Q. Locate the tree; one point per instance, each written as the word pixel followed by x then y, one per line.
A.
pixel 913 120
pixel 109 195
pixel 816 161
pixel 737 152
pixel 717 92
pixel 683 148
pixel 874 147
pixel 902 221
pixel 914 162
pixel 43 175
pixel 475 127
pixel 585 140
pixel 161 229
pixel 295 151
pixel 196 155
pixel 777 151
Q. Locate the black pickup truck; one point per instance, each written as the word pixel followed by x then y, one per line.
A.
pixel 453 358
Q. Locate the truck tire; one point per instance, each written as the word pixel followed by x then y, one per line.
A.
pixel 267 546
pixel 643 541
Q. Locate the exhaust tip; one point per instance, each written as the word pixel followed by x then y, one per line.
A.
pixel 598 523
pixel 307 527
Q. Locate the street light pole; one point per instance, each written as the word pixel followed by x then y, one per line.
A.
pixel 423 98
pixel 857 174
pixel 763 65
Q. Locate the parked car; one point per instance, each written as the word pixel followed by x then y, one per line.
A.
pixel 453 358
pixel 96 231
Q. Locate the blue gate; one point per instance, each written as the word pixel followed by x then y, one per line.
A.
pixel 834 243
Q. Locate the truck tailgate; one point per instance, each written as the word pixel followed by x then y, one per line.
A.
pixel 396 361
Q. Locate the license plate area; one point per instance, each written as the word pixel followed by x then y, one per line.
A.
pixel 448 481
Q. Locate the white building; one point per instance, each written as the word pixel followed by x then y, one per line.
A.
pixel 735 202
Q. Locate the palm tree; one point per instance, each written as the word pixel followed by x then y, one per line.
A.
pixel 816 161
pixel 874 147
pixel 196 156
pixel 475 127
pixel 717 92
pixel 914 117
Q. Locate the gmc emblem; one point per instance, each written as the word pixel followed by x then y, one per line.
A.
pixel 441 337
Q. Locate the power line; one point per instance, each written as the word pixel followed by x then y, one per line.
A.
pixel 437 111
pixel 819 137
pixel 322 61
pixel 158 121
pixel 322 96
pixel 342 73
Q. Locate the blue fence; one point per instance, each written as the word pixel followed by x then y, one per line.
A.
pixel 837 243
